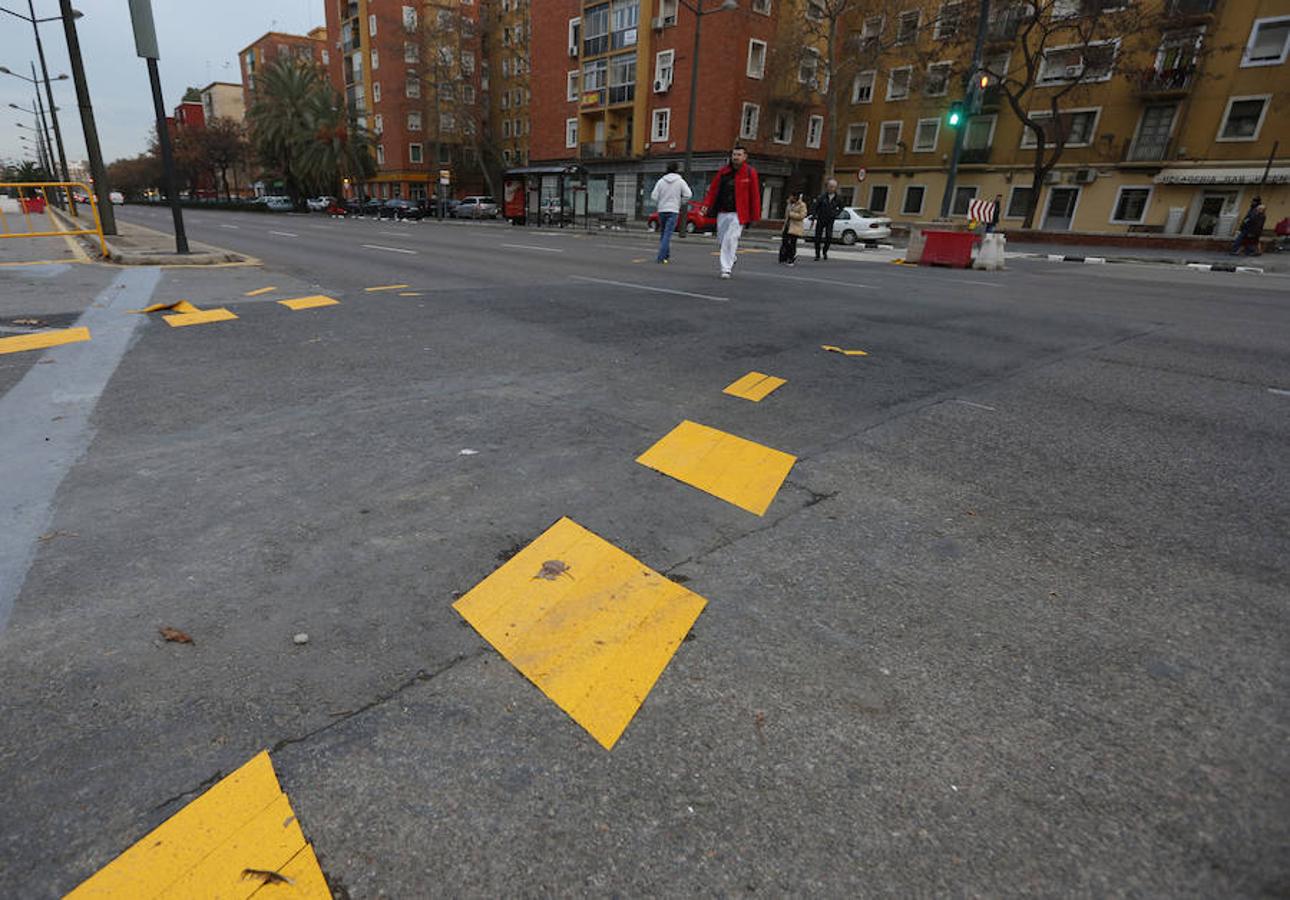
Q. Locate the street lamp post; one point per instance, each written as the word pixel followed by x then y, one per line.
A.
pixel 98 172
pixel 42 137
pixel 695 7
pixel 145 45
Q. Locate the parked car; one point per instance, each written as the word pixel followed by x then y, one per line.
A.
pixel 693 222
pixel 275 203
pixel 401 209
pixel 854 224
pixel 476 208
pixel 116 198
pixel 369 207
pixel 319 204
pixel 552 212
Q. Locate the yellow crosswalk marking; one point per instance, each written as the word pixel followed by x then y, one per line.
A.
pixel 739 471
pixel 385 287
pixel 259 291
pixel 42 339
pixel 592 627
pixel 179 306
pixel 216 845
pixel 754 386
pixel 201 317
pixel 311 302
pixel 833 349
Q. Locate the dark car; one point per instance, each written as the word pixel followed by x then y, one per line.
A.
pixel 369 207
pixel 694 222
pixel 430 207
pixel 401 209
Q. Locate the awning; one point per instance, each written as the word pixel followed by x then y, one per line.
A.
pixel 570 169
pixel 1251 175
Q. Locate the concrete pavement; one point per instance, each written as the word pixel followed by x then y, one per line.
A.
pixel 1014 624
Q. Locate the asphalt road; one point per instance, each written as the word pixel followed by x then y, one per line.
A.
pixel 1015 624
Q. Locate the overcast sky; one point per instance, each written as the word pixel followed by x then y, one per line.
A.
pixel 199 42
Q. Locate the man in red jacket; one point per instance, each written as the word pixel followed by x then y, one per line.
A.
pixel 734 197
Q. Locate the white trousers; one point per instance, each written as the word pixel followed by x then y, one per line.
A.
pixel 728 232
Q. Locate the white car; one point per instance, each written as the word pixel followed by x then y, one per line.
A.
pixel 116 198
pixel 319 204
pixel 854 225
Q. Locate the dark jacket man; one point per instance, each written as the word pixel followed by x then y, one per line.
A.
pixel 825 210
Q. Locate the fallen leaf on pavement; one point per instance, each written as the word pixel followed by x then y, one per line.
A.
pixel 28 322
pixel 174 635
pixel 56 534
pixel 553 569
pixel 267 876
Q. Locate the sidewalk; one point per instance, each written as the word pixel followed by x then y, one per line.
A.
pixel 138 245
pixel 1269 262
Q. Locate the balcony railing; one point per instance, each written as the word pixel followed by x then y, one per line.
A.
pixel 975 155
pixel 615 149
pixel 622 93
pixel 1163 82
pixel 1148 150
pixel 992 98
pixel 1185 8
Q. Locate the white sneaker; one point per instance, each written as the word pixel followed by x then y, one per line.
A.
pixel 725 274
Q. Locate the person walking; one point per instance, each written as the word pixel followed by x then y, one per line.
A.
pixel 1244 230
pixel 735 197
pixel 826 208
pixel 1252 231
pixel 794 214
pixel 670 194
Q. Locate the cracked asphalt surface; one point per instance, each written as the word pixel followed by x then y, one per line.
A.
pixel 1016 624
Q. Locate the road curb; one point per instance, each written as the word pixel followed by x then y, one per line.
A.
pixel 1147 261
pixel 1224 267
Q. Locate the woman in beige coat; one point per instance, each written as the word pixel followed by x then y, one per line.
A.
pixel 794 214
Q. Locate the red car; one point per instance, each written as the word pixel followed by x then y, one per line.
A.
pixel 694 222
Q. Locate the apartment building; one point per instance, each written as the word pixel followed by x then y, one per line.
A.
pixel 611 94
pixel 507 34
pixel 222 99
pixel 275 45
pixel 412 77
pixel 1172 129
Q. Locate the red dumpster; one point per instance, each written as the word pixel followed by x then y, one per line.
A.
pixel 948 248
pixel 33 204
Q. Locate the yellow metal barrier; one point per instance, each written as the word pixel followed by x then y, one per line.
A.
pixel 33 199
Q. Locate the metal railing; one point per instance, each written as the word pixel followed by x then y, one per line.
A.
pixel 33 200
pixel 1167 81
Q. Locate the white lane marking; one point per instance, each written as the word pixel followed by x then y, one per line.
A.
pixel 975 405
pixel 530 247
pixel 285 233
pixel 808 278
pixel 394 233
pixel 645 287
pixel 234 227
pixel 1281 391
pixel 390 249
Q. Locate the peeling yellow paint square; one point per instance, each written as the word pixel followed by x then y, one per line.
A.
pixel 310 302
pixel 43 339
pixel 739 471
pixel 199 318
pixel 588 624
pixel 385 287
pixel 754 386
pixel 258 291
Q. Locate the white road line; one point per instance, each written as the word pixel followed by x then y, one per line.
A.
pixel 975 405
pixel 234 227
pixel 285 233
pixel 530 247
pixel 645 287
pixel 390 249
pixel 1281 391
pixel 808 278
pixel 394 233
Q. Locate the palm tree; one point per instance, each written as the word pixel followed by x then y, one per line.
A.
pixel 281 119
pixel 337 148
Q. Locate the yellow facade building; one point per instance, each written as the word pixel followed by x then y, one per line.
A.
pixel 1186 121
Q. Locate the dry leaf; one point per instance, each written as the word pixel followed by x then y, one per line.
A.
pixel 28 322
pixel 175 635
pixel 553 569
pixel 45 538
pixel 267 876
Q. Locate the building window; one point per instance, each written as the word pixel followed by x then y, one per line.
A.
pixel 889 137
pixel 898 83
pixel 963 197
pixel 748 121
pixel 938 79
pixel 380 155
pixel 807 66
pixel 410 19
pixel 980 133
pixel 814 131
pixel 467 93
pixel 926 135
pixel 625 21
pixel 862 87
pixel 1094 61
pixel 913 205
pixel 878 198
pixel 761 6
pixel 661 125
pixel 947 23
pixel 1244 118
pixel 595 30
pixel 371 25
pixel 1269 42
pixel 376 60
pixel 325 57
pixel 622 78
pixel 506 128
pixel 907 26
pixel 411 52
pixel 414 153
pixel 412 87
pixel 414 121
pixel 595 75
pixel 756 58
pixel 468 62
pixel 667 11
pixel 376 92
pixel 872 28
pixel 783 133
pixel 1131 205
pixel 575 34
pixel 378 124
pixel 447 122
pixel 571 87
pixel 856 133
pixel 664 67
pixel 570 133
pixel 1077 125
pixel 1018 202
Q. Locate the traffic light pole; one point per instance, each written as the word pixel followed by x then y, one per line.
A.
pixel 972 92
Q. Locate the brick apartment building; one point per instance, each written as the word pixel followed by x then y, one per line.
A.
pixel 507 63
pixel 275 45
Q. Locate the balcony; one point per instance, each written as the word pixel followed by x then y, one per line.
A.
pixel 974 156
pixel 1164 83
pixel 1147 151
pixel 1003 28
pixel 615 149
pixel 991 98
pixel 1190 11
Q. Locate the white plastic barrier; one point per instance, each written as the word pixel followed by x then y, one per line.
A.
pixel 990 255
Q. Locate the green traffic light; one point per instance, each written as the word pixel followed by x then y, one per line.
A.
pixel 955 116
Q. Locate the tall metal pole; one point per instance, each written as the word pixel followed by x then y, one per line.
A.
pixel 982 27
pixel 1268 168
pixel 53 110
pixel 167 158
pixel 687 168
pixel 44 133
pixel 107 215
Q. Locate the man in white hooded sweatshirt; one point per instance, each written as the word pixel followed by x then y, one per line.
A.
pixel 669 194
